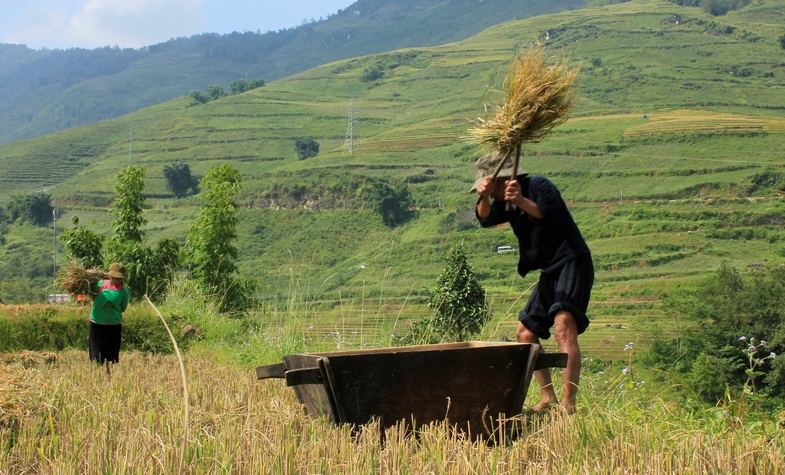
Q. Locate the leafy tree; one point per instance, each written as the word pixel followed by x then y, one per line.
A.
pixel 84 245
pixel 165 260
pixel 199 97
pixel 395 208
pixel 458 303
pixel 4 220
pixel 721 7
pixel 128 205
pixel 306 148
pixel 372 73
pixel 147 270
pixel 782 41
pixel 714 7
pixel 33 208
pixel 215 92
pixel 179 179
pixel 393 202
pixel 241 86
pixel 720 311
pixel 211 249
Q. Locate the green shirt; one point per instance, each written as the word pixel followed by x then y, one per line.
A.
pixel 110 303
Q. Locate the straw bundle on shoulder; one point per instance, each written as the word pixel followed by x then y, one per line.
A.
pixel 77 280
pixel 538 98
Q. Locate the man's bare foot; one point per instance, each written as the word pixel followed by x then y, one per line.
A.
pixel 544 406
pixel 567 407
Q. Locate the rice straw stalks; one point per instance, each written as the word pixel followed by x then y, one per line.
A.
pixel 186 412
pixel 77 280
pixel 538 97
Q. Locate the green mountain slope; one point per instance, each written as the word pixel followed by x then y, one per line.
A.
pixel 45 91
pixel 672 163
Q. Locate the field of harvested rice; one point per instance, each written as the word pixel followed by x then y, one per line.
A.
pixel 60 414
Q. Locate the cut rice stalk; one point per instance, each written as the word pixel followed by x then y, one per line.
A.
pixel 538 97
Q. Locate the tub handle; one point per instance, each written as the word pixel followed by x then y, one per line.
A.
pixel 296 377
pixel 551 360
pixel 271 371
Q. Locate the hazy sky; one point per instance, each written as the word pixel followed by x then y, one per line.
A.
pixel 134 23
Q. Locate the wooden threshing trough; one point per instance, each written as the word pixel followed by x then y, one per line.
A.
pixel 471 384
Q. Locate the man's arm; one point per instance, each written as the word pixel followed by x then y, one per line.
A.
pixel 489 213
pixel 512 193
pixel 484 202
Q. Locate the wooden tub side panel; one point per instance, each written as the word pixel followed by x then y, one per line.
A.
pixel 470 386
pixel 316 398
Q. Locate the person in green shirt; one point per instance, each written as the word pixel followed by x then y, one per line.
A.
pixel 111 300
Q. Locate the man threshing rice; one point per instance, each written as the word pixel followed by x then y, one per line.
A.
pixel 111 300
pixel 549 240
pixel 538 97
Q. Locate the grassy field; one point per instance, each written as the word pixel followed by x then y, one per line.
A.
pixel 672 164
pixel 64 415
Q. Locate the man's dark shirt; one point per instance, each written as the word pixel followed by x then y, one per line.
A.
pixel 546 243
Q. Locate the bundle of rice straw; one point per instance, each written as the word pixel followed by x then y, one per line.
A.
pixel 28 359
pixel 76 280
pixel 15 395
pixel 538 98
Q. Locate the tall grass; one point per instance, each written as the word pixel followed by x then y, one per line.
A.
pixel 131 423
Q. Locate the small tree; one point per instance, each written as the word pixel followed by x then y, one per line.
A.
pixel 306 148
pixel 241 86
pixel 4 220
pixel 782 41
pixel 128 205
pixel 84 245
pixel 179 179
pixel 458 303
pixel 147 270
pixel 215 92
pixel 35 208
pixel 199 97
pixel 393 202
pixel 372 73
pixel 395 207
pixel 211 249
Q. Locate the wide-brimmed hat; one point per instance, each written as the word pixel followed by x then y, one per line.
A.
pixel 117 271
pixel 487 164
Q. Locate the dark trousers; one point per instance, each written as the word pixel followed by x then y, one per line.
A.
pixel 105 343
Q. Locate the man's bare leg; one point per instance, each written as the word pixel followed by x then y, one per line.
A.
pixel 543 376
pixel 566 332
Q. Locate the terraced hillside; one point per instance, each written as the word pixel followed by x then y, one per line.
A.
pixel 672 163
pixel 42 91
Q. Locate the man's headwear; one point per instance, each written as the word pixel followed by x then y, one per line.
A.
pixel 487 164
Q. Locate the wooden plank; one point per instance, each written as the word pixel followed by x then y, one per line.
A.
pixel 551 360
pixel 333 392
pixel 314 397
pixel 271 371
pixel 469 386
pixel 296 377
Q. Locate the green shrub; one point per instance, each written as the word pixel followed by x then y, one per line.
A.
pixel 41 328
pixel 722 313
pixel 458 303
pixel 711 375
pixel 306 148
pixel 34 208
